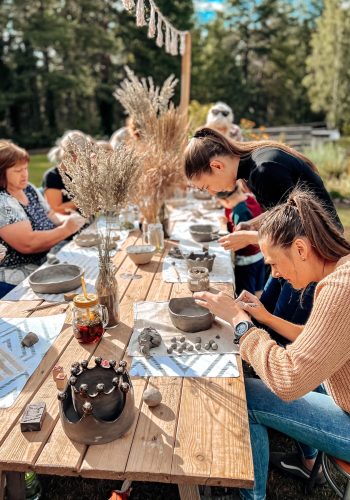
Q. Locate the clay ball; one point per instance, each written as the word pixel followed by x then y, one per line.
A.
pixel 152 397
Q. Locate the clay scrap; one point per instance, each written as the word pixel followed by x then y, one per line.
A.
pixel 30 339
pixel 148 339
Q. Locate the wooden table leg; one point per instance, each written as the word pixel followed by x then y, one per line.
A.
pixel 189 492
pixel 2 485
pixel 15 486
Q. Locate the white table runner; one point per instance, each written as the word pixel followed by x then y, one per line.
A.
pixel 85 257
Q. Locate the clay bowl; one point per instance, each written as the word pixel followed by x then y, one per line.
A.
pixel 202 232
pixel 141 254
pixel 58 278
pixel 202 195
pixel 87 239
pixel 188 316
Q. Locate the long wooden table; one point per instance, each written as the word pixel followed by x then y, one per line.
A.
pixel 199 435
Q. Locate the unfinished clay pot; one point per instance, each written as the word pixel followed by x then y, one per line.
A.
pixel 198 279
pixel 203 232
pixel 200 259
pixel 188 316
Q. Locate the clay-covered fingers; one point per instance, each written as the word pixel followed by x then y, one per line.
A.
pixel 248 297
pixel 203 299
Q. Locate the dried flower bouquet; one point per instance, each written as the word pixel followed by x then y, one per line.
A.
pixel 163 133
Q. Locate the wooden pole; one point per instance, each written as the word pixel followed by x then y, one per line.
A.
pixel 186 75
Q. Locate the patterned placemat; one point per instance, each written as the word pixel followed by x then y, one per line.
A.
pixel 17 363
pixel 207 365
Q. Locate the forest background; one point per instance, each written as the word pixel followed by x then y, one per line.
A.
pixel 275 62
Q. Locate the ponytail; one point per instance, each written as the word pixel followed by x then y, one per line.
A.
pixel 304 215
pixel 207 143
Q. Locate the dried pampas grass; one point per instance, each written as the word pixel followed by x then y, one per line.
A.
pixel 141 99
pixel 163 133
pixel 97 179
pixel 162 142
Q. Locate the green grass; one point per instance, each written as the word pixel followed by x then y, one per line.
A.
pixel 37 166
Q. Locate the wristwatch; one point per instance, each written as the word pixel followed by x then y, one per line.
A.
pixel 240 329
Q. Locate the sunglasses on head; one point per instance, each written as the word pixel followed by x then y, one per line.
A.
pixel 219 112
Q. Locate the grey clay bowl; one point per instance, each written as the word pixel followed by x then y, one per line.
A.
pixel 202 232
pixel 58 278
pixel 141 254
pixel 188 316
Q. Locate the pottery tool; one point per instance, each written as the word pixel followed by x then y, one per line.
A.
pixel 43 306
pixel 33 416
pixel 176 271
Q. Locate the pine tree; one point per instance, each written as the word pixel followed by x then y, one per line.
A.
pixel 328 78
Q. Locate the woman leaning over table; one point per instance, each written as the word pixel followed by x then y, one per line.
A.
pixel 302 245
pixel 27 229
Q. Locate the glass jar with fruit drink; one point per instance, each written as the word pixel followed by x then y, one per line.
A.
pixel 89 318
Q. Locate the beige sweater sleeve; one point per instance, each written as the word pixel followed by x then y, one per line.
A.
pixel 320 351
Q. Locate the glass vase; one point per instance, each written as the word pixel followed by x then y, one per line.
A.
pixel 156 235
pixel 107 290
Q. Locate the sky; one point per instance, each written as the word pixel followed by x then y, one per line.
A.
pixel 206 10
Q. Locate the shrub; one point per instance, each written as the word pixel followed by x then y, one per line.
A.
pixel 330 159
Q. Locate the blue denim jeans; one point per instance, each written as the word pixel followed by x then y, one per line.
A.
pixel 313 419
pixel 282 300
pixel 5 288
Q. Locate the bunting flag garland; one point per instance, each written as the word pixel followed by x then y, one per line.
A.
pixel 159 40
pixel 152 22
pixel 167 38
pixel 128 4
pixel 156 25
pixel 140 13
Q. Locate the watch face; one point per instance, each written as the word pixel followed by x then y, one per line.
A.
pixel 241 328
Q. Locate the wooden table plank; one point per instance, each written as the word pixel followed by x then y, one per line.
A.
pixel 212 441
pixel 153 444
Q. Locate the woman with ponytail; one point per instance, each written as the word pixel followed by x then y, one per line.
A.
pixel 302 244
pixel 270 169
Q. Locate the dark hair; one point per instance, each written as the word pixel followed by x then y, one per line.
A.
pixel 10 154
pixel 304 215
pixel 207 143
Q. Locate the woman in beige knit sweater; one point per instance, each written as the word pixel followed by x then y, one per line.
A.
pixel 302 245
